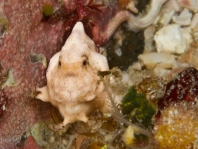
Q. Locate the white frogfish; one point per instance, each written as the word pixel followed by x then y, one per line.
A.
pixel 73 84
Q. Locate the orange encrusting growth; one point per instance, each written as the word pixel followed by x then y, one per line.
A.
pixel 178 127
pixel 123 3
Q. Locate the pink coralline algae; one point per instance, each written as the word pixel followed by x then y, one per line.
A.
pixel 25 35
pixel 95 15
pixel 3 96
pixel 183 88
pixel 3 102
pixel 30 143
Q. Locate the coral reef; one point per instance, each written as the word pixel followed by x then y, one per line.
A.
pixel 3 96
pixel 177 127
pixel 190 56
pixel 176 122
pixel 137 108
pixel 153 60
pixel 31 32
pixel 183 87
pixel 30 143
pixel 89 12
pixel 138 23
pixel 25 34
pixel 3 24
pixel 169 33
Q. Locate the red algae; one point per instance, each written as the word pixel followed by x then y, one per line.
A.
pixel 91 14
pixel 30 143
pixel 183 88
pixel 25 34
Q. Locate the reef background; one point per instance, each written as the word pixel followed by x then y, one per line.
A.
pixel 25 35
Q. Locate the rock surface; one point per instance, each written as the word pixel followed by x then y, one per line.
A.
pixel 26 34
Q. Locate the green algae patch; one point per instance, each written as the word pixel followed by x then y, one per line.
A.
pixel 10 79
pixel 3 24
pixel 35 58
pixel 137 108
pixel 47 10
pixel 104 147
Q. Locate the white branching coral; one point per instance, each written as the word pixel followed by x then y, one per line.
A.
pixel 73 84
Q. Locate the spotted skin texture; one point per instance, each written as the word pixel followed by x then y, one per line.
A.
pixel 25 34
